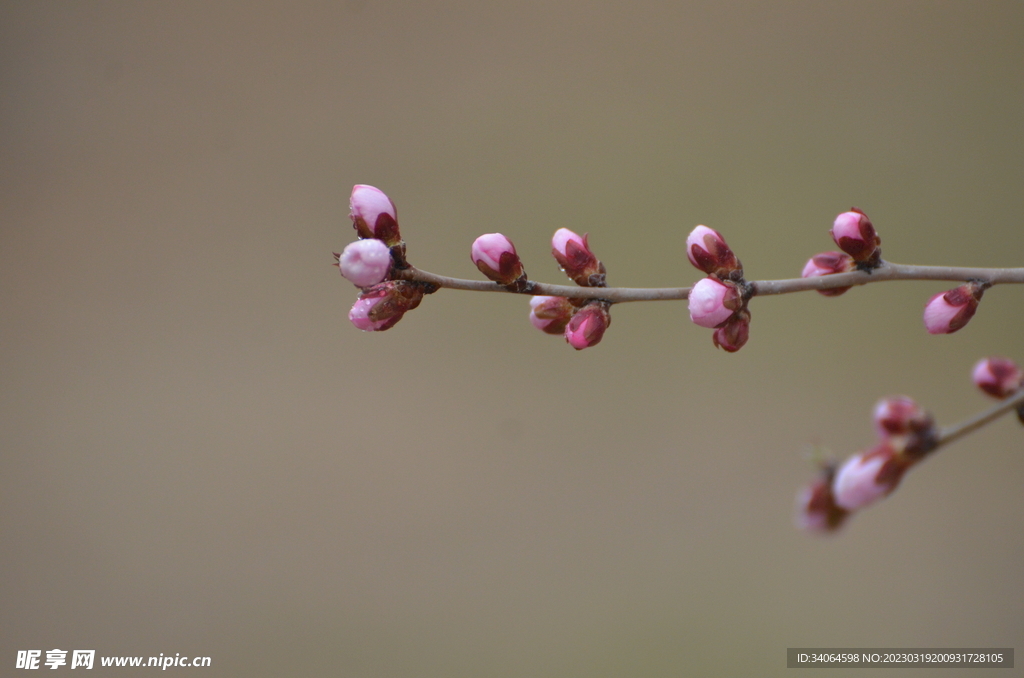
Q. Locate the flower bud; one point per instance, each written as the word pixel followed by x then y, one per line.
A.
pixel 365 262
pixel 900 416
pixel 712 302
pixel 734 333
pixel 947 312
pixel 550 314
pixel 496 257
pixel 587 326
pixel 374 215
pixel 856 236
pixel 360 316
pixel 816 508
pixel 706 250
pixel 828 263
pixel 574 256
pixel 998 377
pixel 867 477
pixel 381 306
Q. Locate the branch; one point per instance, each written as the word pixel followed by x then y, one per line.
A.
pixel 957 431
pixel 886 271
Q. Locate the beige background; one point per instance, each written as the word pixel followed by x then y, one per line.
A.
pixel 200 455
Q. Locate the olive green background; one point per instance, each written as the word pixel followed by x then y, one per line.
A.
pixel 200 455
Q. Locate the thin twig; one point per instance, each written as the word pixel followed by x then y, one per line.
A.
pixel 885 272
pixel 950 433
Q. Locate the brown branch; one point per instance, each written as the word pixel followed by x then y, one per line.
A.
pixel 885 272
pixel 950 433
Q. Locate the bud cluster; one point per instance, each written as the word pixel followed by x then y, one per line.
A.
pixel 853 231
pixel 906 434
pixel 369 262
pixel 861 249
pixel 581 321
pixel 719 301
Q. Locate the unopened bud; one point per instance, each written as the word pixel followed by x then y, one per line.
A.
pixel 573 254
pixel 828 263
pixel 496 257
pixel 856 236
pixel 381 306
pixel 361 315
pixel 712 302
pixel 587 326
pixel 900 416
pixel 734 333
pixel 365 262
pixel 706 250
pixel 867 477
pixel 816 508
pixel 550 314
pixel 947 312
pixel 374 215
pixel 998 377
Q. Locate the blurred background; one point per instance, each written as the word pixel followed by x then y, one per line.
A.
pixel 200 454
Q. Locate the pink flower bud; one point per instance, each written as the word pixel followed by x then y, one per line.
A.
pixel 947 312
pixel 587 326
pixel 867 477
pixel 712 302
pixel 734 333
pixel 365 262
pixel 998 377
pixel 900 416
pixel 706 250
pixel 816 508
pixel 381 306
pixel 496 257
pixel 856 236
pixel 360 316
pixel 550 314
pixel 574 256
pixel 374 215
pixel 828 263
